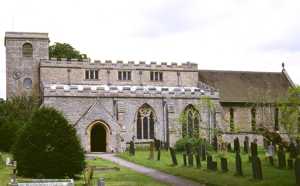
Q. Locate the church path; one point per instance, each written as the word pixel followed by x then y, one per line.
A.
pixel 158 175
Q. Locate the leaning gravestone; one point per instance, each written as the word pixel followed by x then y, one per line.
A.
pixel 184 159
pixel 189 153
pixel 209 160
pixel 203 151
pixel 238 164
pixel 131 148
pixel 246 144
pixel 215 143
pixel 151 151
pixel 297 171
pixel 198 159
pixel 173 156
pixel 281 158
pixel 224 165
pixel 157 147
pixel 256 163
pixel 229 149
pixel 236 145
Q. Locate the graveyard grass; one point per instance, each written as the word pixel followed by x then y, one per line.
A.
pixel 272 176
pixel 124 177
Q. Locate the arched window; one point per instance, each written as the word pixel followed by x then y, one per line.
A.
pixel 27 50
pixel 231 119
pixel 190 125
pixel 145 123
pixel 27 83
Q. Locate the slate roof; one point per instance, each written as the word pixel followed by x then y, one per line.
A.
pixel 245 86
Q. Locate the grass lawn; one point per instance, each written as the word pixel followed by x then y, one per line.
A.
pixel 272 176
pixel 124 177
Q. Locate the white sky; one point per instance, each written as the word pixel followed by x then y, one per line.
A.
pixel 256 35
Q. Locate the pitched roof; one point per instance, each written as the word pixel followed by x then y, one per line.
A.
pixel 244 86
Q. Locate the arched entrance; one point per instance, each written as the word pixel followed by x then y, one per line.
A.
pixel 98 138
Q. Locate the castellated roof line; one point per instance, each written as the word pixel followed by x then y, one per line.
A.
pixel 118 63
pixel 126 91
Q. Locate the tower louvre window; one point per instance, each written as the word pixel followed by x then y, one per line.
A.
pixel 91 74
pixel 27 50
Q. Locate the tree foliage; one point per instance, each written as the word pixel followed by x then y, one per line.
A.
pixel 290 112
pixel 14 114
pixel 48 147
pixel 65 50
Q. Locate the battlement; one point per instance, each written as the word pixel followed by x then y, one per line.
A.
pixel 55 90
pixel 86 63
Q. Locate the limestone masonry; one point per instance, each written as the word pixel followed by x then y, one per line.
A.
pixel 111 103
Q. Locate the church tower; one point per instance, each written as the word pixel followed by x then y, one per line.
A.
pixel 24 50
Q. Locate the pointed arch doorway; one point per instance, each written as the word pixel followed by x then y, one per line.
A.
pixel 99 133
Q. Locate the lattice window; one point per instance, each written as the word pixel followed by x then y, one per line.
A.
pixel 145 123
pixel 191 124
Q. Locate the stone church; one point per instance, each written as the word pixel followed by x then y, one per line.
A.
pixel 111 103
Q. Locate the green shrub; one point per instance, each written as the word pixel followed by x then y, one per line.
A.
pixel 1 161
pixel 195 142
pixel 48 147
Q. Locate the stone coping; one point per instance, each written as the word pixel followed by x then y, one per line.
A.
pixel 126 91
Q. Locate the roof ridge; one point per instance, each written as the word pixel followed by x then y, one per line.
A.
pixel 241 71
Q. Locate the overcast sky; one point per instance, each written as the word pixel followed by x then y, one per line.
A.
pixel 252 35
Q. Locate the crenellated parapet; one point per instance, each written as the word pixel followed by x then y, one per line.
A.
pixel 86 63
pixel 56 90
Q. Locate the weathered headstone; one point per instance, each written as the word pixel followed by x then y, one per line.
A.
pixel 214 166
pixel 253 149
pixel 290 163
pixel 157 147
pixel 229 149
pixel 209 160
pixel 292 150
pixel 224 165
pixel 151 151
pixel 198 159
pixel 131 148
pixel 215 143
pixel 270 153
pixel 238 164
pixel 297 171
pixel 281 158
pixel 184 159
pixel 189 153
pixel 236 145
pixel 246 144
pixel 256 163
pixel 203 151
pixel 173 156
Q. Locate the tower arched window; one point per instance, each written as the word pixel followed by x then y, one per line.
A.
pixel 190 125
pixel 145 123
pixel 27 50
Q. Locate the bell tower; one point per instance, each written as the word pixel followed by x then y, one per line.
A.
pixel 24 50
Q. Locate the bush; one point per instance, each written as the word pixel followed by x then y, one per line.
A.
pixel 48 147
pixel 14 114
pixel 195 142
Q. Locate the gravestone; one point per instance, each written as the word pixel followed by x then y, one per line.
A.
pixel 281 158
pixel 238 164
pixel 290 163
pixel 246 144
pixel 224 165
pixel 209 160
pixel 298 147
pixel 270 153
pixel 203 151
pixel 253 149
pixel 229 149
pixel 198 159
pixel 151 151
pixel 184 159
pixel 236 145
pixel 214 166
pixel 131 148
pixel 256 163
pixel 189 153
pixel 157 147
pixel 215 143
pixel 173 156
pixel 292 150
pixel 297 171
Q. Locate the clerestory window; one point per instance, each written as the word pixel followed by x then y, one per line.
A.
pixel 91 74
pixel 156 76
pixel 124 75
